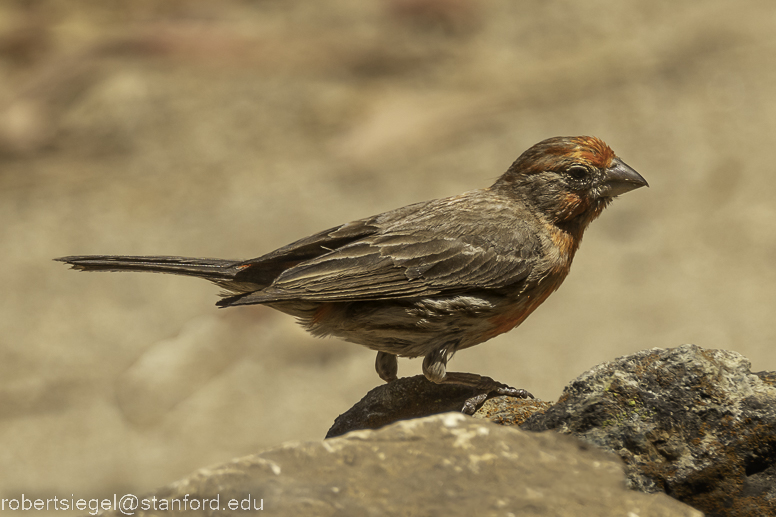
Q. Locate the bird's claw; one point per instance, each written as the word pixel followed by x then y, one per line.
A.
pixel 471 404
pixel 509 391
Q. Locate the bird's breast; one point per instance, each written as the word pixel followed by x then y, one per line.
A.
pixel 516 314
pixel 548 275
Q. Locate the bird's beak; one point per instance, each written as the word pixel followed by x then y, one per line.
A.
pixel 619 179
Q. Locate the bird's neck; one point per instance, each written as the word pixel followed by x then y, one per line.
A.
pixel 575 224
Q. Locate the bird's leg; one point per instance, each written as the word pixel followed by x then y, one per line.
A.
pixel 387 366
pixel 435 370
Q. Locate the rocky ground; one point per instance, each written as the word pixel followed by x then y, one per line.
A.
pixel 690 423
pixel 228 129
pixel 447 464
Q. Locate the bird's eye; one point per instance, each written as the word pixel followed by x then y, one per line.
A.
pixel 577 172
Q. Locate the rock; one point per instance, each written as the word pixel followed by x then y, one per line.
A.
pixel 690 423
pixel 447 464
pixel 510 410
pixel 694 423
pixel 413 397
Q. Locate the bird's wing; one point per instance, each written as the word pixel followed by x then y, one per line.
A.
pixel 443 246
pixel 262 271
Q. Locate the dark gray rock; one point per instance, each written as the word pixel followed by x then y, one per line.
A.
pixel 413 397
pixel 694 423
pixel 448 464
pixel 402 399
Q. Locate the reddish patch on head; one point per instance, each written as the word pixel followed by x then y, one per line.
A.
pixel 594 151
pixel 560 152
pixel 571 205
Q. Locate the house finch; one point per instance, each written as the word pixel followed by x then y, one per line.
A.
pixel 431 278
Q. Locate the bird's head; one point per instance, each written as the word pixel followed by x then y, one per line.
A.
pixel 570 180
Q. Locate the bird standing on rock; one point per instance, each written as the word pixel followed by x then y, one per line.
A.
pixel 431 278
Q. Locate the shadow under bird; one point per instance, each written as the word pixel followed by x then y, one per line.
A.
pixel 430 278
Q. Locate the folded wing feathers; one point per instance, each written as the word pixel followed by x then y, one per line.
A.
pixel 377 268
pixel 403 253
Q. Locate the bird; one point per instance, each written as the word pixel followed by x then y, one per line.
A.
pixel 431 278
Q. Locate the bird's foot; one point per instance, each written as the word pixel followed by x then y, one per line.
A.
pixel 434 368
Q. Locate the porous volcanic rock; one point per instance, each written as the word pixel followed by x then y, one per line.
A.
pixel 694 423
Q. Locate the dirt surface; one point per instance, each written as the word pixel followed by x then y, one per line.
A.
pixel 228 129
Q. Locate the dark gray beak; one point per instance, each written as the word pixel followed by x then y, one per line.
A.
pixel 619 179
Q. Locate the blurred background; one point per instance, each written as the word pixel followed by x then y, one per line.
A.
pixel 227 129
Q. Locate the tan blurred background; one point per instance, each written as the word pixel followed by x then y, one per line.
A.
pixel 227 129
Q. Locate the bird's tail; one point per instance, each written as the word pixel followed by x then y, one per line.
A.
pixel 215 270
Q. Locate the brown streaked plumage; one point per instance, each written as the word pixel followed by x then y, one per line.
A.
pixel 431 278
